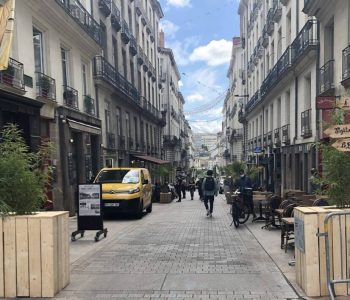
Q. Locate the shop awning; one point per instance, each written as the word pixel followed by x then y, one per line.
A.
pixel 83 127
pixel 152 159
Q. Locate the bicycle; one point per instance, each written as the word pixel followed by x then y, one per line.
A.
pixel 239 210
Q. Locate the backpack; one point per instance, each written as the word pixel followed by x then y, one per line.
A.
pixel 209 184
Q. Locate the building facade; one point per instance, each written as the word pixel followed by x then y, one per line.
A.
pixel 280 46
pixel 234 101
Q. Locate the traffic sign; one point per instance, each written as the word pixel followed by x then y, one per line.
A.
pixel 342 145
pixel 338 131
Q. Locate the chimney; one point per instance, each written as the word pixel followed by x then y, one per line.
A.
pixel 161 39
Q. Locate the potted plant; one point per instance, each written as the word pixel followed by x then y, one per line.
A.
pixel 89 104
pixel 68 96
pixel 40 237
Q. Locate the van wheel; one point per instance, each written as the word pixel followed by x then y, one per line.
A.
pixel 149 208
pixel 139 213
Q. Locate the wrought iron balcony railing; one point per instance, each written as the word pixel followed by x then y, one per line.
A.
pixel 253 101
pixel 110 140
pixel 140 56
pixel 45 86
pixel 78 12
pixel 105 71
pixel 327 78
pixel 269 138
pixel 89 105
pixel 105 7
pixel 115 18
pixel 125 33
pixel 70 97
pixel 346 66
pixel 305 40
pixel 285 134
pixel 265 37
pixel 277 137
pixel 306 124
pixel 145 64
pixel 132 45
pixel 13 75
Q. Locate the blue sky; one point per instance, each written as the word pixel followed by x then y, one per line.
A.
pixel 200 33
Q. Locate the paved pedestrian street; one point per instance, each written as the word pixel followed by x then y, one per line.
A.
pixel 176 252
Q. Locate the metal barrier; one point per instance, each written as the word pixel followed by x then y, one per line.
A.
pixel 332 282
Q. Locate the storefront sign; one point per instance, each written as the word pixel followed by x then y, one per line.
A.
pixel 257 150
pixel 342 145
pixel 338 131
pixel 325 102
pixel 89 200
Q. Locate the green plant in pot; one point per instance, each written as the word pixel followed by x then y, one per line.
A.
pixel 89 104
pixel 335 178
pixel 68 96
pixel 24 175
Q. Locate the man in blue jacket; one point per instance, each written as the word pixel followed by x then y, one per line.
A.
pixel 210 189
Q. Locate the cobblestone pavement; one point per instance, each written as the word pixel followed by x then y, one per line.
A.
pixel 176 252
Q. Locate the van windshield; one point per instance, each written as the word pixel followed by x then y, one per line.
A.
pixel 118 176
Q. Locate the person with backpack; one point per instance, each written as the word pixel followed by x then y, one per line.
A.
pixel 210 189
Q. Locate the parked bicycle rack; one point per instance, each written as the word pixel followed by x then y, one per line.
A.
pixel 332 282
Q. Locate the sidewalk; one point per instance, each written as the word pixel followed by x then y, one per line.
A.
pixel 175 252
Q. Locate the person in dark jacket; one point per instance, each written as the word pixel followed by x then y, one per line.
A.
pixel 178 187
pixel 192 186
pixel 210 189
pixel 199 185
pixel 245 186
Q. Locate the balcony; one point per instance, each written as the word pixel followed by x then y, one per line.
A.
pixel 45 86
pixel 125 33
pixel 80 15
pixel 106 72
pixel 306 131
pixel 140 56
pixel 265 37
pixel 115 18
pixel 70 97
pixel 269 138
pixel 346 67
pixel 277 11
pixel 312 7
pixel 105 7
pixel 285 62
pixel 110 140
pixel 285 134
pixel 132 45
pixel 270 25
pixel 12 77
pixel 121 142
pixel 327 79
pixel 305 41
pixel 89 105
pixel 171 141
pixel 277 137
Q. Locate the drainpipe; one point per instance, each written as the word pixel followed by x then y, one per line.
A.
pixel 97 102
pixel 317 91
pixel 296 83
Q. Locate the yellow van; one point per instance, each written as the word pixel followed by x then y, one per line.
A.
pixel 125 190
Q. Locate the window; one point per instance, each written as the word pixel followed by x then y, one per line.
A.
pixel 139 82
pixel 125 69
pixel 135 129
pixel 84 79
pixel 118 121
pixel 65 66
pixel 130 19
pixel 115 53
pixel 104 39
pixel 132 72
pixel 38 50
pixel 107 116
pixel 127 125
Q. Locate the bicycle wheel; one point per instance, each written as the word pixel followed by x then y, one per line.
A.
pixel 235 214
pixel 244 215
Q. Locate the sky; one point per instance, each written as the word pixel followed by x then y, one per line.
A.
pixel 200 34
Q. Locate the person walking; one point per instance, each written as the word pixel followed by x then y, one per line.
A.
pixel 245 186
pixel 178 188
pixel 210 189
pixel 199 185
pixel 192 186
pixel 183 188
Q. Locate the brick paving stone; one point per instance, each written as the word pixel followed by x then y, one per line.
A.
pixel 189 253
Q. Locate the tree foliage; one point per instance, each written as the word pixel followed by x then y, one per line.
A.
pixel 24 175
pixel 234 168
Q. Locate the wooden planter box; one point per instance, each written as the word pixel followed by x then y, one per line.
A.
pixel 310 250
pixel 34 254
pixel 165 197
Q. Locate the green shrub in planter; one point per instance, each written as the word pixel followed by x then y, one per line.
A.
pixel 24 176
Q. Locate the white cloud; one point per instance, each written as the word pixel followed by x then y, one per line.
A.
pixel 180 83
pixel 169 28
pixel 206 126
pixel 181 49
pixel 195 98
pixel 215 53
pixel 178 3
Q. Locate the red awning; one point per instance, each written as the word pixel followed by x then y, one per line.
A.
pixel 152 159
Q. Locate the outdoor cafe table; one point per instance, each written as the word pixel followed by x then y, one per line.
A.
pixel 260 199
